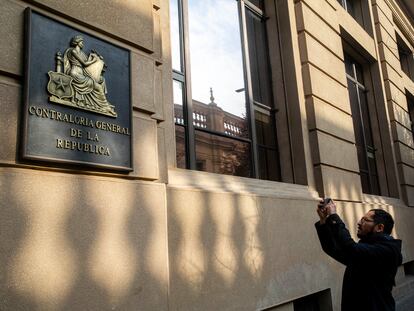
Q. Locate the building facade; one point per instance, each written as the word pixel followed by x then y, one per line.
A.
pixel 243 114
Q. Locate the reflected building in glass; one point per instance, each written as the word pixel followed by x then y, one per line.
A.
pixel 214 151
pixel 238 136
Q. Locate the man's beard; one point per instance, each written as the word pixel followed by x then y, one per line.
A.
pixel 366 235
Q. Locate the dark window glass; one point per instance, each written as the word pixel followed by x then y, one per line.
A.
pixel 268 157
pixel 406 58
pixel 358 126
pixel 259 65
pixel 362 127
pixel 365 182
pixel 350 7
pixel 320 301
pixel 374 176
pixel 359 73
pixel 265 129
pixel 354 8
pixel 258 3
pixel 201 165
pixel 353 69
pixel 349 67
pixel 180 146
pixel 366 119
pixel 410 103
pixel 308 303
pixel 222 155
pixel 269 167
pixel 403 60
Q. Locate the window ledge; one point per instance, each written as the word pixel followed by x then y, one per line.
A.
pixel 196 180
pixel 357 36
pixel 382 201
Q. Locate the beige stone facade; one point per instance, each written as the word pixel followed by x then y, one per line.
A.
pixel 162 238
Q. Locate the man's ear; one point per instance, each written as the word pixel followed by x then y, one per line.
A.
pixel 379 228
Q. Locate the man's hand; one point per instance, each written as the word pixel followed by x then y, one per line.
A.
pixel 324 211
pixel 330 208
pixel 321 210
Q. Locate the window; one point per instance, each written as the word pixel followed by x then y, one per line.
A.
pixel 409 268
pixel 406 58
pixel 354 8
pixel 223 102
pixel 410 104
pixel 320 301
pixel 361 115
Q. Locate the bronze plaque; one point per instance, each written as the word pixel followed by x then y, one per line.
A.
pixel 77 102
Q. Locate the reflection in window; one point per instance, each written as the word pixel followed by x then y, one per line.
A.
pixel 212 149
pixel 175 36
pixel 179 123
pixel 231 128
pixel 362 128
pixel 217 119
pixel 216 55
pixel 178 102
pixel 200 119
pixel 217 65
pixel 222 155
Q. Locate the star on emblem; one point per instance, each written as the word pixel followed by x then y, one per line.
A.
pixel 60 84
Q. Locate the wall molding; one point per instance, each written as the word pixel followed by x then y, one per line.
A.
pixel 401 21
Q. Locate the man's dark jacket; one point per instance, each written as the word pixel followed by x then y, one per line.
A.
pixel 371 265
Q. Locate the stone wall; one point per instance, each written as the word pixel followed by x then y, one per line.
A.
pixel 78 239
pixel 161 238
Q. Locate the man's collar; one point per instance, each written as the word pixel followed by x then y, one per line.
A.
pixel 375 237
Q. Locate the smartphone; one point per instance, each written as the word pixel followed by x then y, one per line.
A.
pixel 325 202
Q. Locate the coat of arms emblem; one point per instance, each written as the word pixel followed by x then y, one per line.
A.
pixel 79 80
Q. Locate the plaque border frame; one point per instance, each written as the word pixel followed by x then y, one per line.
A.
pixel 71 164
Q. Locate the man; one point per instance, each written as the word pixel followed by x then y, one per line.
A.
pixel 371 264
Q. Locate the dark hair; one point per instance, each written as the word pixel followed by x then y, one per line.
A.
pixel 382 217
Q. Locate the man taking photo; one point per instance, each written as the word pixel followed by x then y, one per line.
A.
pixel 371 264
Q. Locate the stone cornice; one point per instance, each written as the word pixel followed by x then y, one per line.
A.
pixel 401 20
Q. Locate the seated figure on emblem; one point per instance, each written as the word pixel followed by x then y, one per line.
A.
pixel 86 81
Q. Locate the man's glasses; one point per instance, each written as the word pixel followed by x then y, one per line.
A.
pixel 365 219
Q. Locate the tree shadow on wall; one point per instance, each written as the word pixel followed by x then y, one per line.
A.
pixel 86 253
pixel 208 267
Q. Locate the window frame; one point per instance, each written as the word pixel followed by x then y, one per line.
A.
pixel 405 50
pixel 410 106
pixel 361 14
pixel 363 88
pixel 184 77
